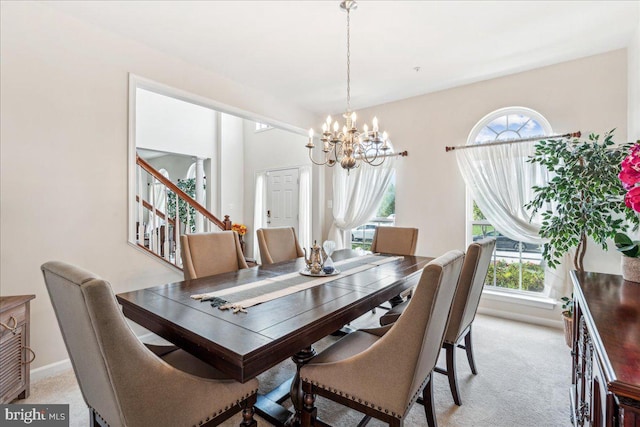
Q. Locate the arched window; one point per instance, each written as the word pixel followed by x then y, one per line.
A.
pixel 509 123
pixel 517 265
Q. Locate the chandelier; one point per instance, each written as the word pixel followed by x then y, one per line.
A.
pixel 349 146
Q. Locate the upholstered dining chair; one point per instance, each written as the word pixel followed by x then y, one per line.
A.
pixel 278 244
pixel 395 240
pixel 465 306
pixel 123 382
pixel 206 254
pixel 355 370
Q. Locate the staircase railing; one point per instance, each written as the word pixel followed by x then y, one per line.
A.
pixel 158 202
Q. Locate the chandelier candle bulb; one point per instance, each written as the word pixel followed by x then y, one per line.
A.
pixel 375 124
pixel 310 144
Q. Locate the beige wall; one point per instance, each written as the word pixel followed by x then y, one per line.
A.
pixel 634 86
pixel 63 170
pixel 589 95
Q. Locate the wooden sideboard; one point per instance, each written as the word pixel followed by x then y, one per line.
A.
pixel 606 351
pixel 15 354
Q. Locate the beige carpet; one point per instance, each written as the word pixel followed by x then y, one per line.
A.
pixel 523 380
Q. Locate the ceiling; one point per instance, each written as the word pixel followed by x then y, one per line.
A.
pixel 296 50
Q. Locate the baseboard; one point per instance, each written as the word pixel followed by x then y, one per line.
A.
pixel 50 370
pixel 56 368
pixel 557 324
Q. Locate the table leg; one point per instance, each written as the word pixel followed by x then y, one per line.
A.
pixel 297 395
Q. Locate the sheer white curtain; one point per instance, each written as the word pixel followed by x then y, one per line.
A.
pixel 356 196
pixel 304 202
pixel 258 211
pixel 501 182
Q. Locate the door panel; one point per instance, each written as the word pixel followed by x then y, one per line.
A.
pixel 282 198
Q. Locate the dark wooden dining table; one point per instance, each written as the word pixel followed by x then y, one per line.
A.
pixel 244 345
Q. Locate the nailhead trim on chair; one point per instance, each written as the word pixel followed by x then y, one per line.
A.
pixel 354 398
pixel 417 394
pixel 99 416
pixel 226 408
pixel 199 422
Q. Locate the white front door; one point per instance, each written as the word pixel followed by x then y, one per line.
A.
pixel 282 198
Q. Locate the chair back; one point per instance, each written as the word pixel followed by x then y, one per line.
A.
pixel 414 342
pixel 206 254
pixel 95 334
pixel 474 272
pixel 278 244
pixel 395 240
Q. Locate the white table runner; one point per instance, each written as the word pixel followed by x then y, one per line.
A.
pixel 270 289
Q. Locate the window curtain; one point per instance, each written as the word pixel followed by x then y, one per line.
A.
pixel 356 196
pixel 258 212
pixel 501 182
pixel 304 202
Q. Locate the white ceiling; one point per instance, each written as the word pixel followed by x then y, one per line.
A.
pixel 296 50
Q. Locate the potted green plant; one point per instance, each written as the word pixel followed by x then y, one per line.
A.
pixel 583 199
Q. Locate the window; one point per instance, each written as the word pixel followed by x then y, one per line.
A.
pixel 517 266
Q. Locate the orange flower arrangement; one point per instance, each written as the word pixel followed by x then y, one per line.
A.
pixel 241 229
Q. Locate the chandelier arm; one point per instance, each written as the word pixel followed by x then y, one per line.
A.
pixel 326 160
pixel 372 162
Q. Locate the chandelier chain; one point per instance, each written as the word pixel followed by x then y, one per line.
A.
pixel 348 61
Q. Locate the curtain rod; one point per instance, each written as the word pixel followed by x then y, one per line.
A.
pixel 513 141
pixel 404 153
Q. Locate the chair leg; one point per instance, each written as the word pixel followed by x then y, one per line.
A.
pixel 451 372
pixel 247 417
pixel 309 411
pixel 427 397
pixel 469 350
pixel 93 420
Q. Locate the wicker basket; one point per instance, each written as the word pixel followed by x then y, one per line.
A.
pixel 568 330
